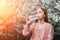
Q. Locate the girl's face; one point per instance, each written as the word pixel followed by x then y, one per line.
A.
pixel 40 13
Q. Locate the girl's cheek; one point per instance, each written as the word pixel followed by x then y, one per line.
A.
pixel 41 15
pixel 38 14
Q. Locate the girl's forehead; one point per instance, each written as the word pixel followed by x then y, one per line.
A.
pixel 39 9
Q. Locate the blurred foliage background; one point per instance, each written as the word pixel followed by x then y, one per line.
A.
pixel 53 8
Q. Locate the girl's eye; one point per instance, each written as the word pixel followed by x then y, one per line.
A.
pixel 39 12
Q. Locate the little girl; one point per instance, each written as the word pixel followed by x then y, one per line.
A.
pixel 42 29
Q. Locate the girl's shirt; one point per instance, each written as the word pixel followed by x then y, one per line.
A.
pixel 39 32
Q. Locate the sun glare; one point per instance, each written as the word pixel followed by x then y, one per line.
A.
pixel 3 9
pixel 8 8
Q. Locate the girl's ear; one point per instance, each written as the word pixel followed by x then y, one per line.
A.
pixel 44 17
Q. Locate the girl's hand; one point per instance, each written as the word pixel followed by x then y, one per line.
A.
pixel 31 19
pixel 28 22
